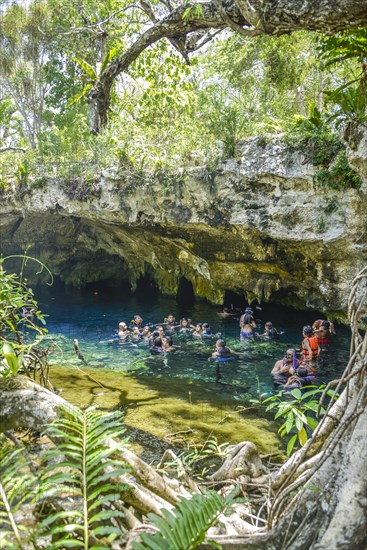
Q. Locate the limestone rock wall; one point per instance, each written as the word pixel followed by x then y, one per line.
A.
pixel 256 226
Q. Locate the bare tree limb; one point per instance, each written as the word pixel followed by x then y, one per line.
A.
pixel 4 149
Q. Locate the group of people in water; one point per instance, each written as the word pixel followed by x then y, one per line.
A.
pixel 159 336
pixel 295 369
pixel 294 372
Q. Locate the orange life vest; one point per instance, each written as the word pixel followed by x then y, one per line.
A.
pixel 313 345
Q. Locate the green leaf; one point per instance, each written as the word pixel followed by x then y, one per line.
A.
pixel 289 422
pixel 77 97
pixel 88 69
pixel 302 436
pixel 299 424
pixel 311 406
pixel 110 55
pixel 297 394
pixel 312 422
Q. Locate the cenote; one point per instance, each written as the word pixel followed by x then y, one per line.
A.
pixel 177 390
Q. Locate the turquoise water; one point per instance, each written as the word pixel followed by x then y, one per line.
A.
pixel 92 316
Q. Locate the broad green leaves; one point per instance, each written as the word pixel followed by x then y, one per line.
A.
pixel 298 409
pixel 11 362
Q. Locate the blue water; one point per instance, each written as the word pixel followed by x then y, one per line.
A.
pixel 92 316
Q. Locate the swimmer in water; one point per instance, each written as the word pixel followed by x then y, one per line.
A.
pixel 157 346
pixel 185 326
pixel 300 378
pixel 146 334
pixel 221 350
pixel 123 332
pixel 285 367
pixel 322 329
pixel 136 322
pixel 270 331
pixel 247 324
pixel 198 330
pixel 310 346
pixel 207 331
pixel 226 312
pixel 222 354
pixel 167 344
pixel 170 322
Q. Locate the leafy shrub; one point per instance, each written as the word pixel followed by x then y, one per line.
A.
pixel 338 176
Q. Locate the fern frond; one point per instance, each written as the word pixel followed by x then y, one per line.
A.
pixel 185 528
pixel 81 445
pixel 17 485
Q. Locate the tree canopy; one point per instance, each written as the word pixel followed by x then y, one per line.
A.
pixel 170 83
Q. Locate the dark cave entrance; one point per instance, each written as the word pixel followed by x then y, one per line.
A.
pixel 185 294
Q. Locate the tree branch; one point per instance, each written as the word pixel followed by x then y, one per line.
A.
pixel 247 17
pixel 4 149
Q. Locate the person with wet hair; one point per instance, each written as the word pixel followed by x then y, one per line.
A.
pixel 157 346
pixel 285 367
pixel 198 330
pixel 247 323
pixel 322 330
pixel 222 354
pixel 137 321
pixel 185 326
pixel 160 331
pixel 146 334
pixel 270 332
pixel 207 331
pixel 310 347
pixel 170 323
pixel 167 344
pixel 300 378
pixel 226 312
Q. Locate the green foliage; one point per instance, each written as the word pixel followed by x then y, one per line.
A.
pixel 11 362
pixel 192 12
pixel 77 466
pixel 324 149
pixel 19 311
pixel 349 104
pixel 186 527
pixel 331 205
pixel 338 176
pixel 80 470
pixel 350 44
pixel 298 413
pixel 164 113
pixel 17 487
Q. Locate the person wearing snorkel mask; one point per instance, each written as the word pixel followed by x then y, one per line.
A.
pixel 285 367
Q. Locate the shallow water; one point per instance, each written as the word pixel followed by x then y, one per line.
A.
pixel 92 315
